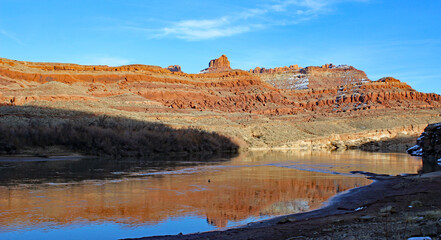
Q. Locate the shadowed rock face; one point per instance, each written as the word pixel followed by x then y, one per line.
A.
pixel 218 65
pixel 174 68
pixel 429 147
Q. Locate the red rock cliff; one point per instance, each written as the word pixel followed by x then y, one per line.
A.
pixel 158 94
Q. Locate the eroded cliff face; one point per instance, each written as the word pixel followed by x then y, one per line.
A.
pixel 326 76
pixel 275 70
pixel 235 103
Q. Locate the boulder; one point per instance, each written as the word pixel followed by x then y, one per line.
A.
pixel 429 147
pixel 174 68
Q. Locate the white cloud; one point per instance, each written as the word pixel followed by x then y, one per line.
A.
pixel 280 12
pixel 198 33
pixel 275 13
pixel 206 29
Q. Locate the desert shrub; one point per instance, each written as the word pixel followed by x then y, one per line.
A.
pixel 102 135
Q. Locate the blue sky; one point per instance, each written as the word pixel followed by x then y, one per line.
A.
pixel 382 37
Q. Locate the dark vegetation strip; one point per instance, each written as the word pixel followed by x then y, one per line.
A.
pixel 116 137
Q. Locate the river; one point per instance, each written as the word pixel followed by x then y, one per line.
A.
pixel 103 199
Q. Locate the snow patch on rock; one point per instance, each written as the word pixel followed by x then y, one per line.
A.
pixel 415 150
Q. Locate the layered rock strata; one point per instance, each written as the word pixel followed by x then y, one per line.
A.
pixel 325 76
pixel 235 103
pixel 275 70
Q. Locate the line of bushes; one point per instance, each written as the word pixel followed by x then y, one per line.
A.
pixel 105 136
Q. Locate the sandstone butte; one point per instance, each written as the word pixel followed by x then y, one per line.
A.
pixel 218 65
pixel 324 107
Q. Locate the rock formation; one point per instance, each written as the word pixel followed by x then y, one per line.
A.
pixel 335 101
pixel 218 65
pixel 275 70
pixel 174 68
pixel 389 80
pixel 429 147
pixel 326 76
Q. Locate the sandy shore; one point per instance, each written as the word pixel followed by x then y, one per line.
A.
pixel 390 208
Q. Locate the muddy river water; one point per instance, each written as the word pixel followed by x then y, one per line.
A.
pixel 102 199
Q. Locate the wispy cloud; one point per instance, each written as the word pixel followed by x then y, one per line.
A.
pixel 278 13
pixel 240 20
pixel 11 36
pixel 206 29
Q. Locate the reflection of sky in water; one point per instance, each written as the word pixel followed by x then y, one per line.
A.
pixel 145 199
pixel 111 230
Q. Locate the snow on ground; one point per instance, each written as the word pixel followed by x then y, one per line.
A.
pixel 291 81
pixel 302 83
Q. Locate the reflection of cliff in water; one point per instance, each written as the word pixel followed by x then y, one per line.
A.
pixel 245 187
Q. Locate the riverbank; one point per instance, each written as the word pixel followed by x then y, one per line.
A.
pixel 36 131
pixel 390 208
